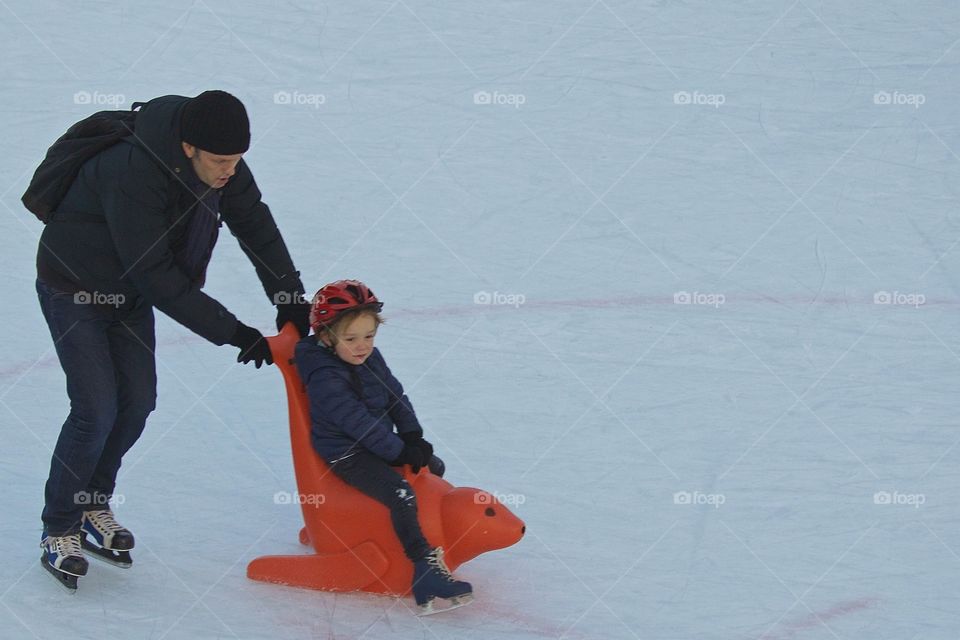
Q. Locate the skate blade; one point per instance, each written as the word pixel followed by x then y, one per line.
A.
pixel 120 559
pixel 66 580
pixel 446 604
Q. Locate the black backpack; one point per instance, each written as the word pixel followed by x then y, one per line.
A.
pixel 60 167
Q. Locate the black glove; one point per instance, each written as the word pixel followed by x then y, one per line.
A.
pixel 411 456
pixel 415 439
pixel 296 312
pixel 253 347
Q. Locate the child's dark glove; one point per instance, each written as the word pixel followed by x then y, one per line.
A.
pixel 415 439
pixel 412 456
pixel 253 347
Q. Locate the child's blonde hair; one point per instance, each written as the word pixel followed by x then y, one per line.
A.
pixel 333 330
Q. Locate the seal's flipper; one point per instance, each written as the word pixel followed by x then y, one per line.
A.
pixel 350 570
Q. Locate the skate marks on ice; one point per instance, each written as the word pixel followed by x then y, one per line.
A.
pixel 796 627
pixel 514 621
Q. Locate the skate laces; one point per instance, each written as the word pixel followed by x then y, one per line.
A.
pixel 435 560
pixel 103 520
pixel 63 546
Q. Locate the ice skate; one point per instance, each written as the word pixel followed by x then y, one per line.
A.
pixel 63 558
pixel 106 539
pixel 432 581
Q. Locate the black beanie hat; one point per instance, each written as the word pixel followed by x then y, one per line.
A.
pixel 217 122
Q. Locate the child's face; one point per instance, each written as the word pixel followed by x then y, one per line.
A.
pixel 355 340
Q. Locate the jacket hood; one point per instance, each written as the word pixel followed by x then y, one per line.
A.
pixel 311 356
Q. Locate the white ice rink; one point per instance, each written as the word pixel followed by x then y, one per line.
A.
pixel 777 459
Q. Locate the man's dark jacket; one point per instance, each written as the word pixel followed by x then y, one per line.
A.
pixel 118 226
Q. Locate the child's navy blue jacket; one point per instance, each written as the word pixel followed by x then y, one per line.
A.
pixel 353 406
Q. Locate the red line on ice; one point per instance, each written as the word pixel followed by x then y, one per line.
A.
pixel 592 303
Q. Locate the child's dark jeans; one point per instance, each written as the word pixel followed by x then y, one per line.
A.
pixel 372 476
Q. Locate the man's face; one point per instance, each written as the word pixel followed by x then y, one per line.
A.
pixel 212 169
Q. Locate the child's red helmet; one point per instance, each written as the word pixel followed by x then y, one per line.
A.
pixel 335 298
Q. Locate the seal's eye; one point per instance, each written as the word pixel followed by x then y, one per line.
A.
pixel 489 512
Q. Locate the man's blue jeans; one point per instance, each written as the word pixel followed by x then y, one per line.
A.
pixel 107 354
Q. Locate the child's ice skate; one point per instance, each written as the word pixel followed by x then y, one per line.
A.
pixel 432 579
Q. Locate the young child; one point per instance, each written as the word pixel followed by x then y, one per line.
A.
pixel 364 425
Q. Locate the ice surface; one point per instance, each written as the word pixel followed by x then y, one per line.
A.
pixel 803 180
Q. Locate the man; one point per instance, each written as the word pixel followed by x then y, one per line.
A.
pixel 135 231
